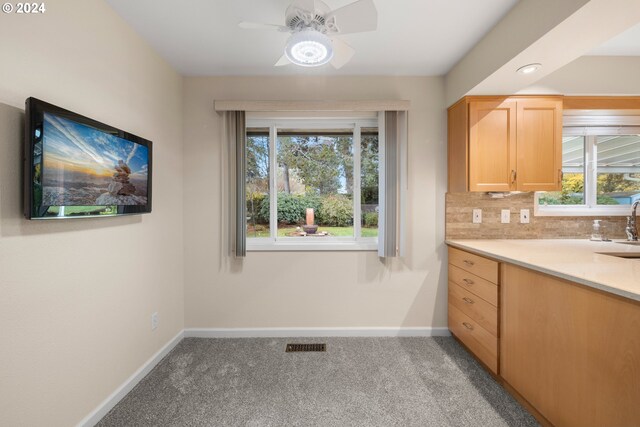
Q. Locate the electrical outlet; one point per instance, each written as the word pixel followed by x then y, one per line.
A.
pixel 477 216
pixel 505 216
pixel 154 320
pixel 524 216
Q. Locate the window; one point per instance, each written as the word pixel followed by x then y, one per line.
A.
pixel 257 182
pixel 601 172
pixel 312 184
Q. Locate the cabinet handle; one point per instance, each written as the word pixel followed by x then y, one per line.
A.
pixel 513 176
pixel 467 300
pixel 560 176
pixel 468 281
pixel 468 326
pixel 469 262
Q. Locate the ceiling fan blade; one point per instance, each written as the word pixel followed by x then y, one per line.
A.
pixel 260 26
pixel 282 61
pixel 342 53
pixel 357 17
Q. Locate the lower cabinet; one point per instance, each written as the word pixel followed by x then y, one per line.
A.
pixel 477 339
pixel 473 304
pixel 571 351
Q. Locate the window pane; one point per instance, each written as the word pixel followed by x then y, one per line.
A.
pixel 257 182
pixel 618 169
pixel 572 192
pixel 315 182
pixel 369 181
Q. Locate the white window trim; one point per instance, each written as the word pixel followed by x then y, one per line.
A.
pixel 275 243
pixel 590 208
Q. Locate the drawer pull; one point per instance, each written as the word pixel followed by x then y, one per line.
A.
pixel 467 281
pixel 467 300
pixel 468 326
pixel 469 262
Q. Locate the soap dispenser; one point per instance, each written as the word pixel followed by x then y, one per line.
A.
pixel 596 234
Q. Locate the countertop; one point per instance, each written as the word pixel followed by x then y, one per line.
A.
pixel 574 260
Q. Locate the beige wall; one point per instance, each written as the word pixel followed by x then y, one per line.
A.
pixel 318 289
pixel 76 296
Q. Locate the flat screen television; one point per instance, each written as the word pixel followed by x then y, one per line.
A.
pixel 79 167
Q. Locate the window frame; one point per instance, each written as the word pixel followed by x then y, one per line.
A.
pixel 590 206
pixel 329 243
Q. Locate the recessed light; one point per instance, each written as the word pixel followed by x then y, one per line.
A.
pixel 529 68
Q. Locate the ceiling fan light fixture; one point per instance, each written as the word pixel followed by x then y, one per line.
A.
pixel 309 48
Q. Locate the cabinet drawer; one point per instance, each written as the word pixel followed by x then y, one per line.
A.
pixel 480 266
pixel 481 343
pixel 475 307
pixel 486 290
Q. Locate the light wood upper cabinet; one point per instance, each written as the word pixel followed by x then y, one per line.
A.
pixel 492 146
pixel 539 150
pixel 505 144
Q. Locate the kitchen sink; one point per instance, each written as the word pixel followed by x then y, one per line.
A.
pixel 629 255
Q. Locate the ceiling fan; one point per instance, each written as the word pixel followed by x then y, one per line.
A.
pixel 314 28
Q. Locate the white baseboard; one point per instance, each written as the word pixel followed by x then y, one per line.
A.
pixel 115 397
pixel 315 332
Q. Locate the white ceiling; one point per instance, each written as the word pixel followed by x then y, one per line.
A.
pixel 625 44
pixel 414 37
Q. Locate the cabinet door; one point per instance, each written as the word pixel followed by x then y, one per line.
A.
pixel 572 352
pixel 457 147
pixel 492 145
pixel 539 145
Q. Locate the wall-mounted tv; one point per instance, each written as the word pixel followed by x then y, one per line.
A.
pixel 79 167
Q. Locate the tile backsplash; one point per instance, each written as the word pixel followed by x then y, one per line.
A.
pixel 459 209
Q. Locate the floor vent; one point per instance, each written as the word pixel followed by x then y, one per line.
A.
pixel 306 347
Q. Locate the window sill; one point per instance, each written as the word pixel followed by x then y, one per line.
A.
pixel 268 245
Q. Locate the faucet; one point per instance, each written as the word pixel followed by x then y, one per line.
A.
pixel 632 227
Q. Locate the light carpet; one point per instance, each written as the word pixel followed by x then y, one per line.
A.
pixel 356 382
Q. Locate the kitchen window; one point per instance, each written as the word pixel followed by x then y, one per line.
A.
pixel 600 166
pixel 312 184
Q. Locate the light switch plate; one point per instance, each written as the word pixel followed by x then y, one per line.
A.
pixel 477 216
pixel 524 216
pixel 505 216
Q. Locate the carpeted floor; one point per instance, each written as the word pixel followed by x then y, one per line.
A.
pixel 357 382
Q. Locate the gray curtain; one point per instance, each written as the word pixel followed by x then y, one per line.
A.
pixel 235 133
pixel 392 183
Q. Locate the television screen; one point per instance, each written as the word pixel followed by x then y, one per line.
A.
pixel 78 167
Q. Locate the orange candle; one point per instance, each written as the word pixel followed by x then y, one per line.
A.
pixel 310 218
